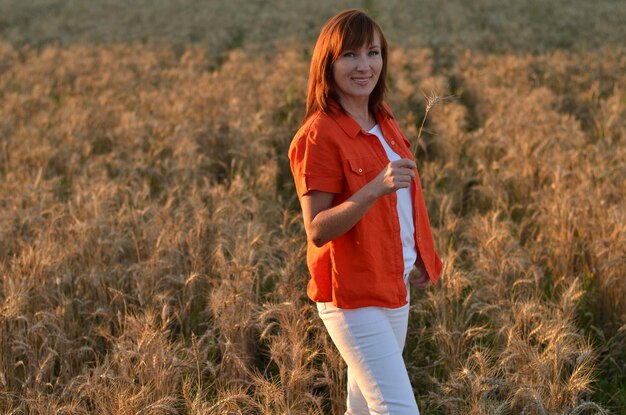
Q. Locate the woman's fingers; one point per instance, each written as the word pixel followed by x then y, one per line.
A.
pixel 398 174
pixel 407 163
pixel 402 172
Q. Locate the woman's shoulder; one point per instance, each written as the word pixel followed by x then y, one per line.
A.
pixel 317 135
pixel 324 120
pixel 321 125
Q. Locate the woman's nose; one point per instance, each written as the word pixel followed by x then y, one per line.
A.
pixel 362 64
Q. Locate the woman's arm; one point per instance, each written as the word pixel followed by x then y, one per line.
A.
pixel 324 222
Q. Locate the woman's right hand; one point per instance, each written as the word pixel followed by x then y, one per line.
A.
pixel 397 175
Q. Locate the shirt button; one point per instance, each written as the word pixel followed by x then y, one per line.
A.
pixel 393 143
pixel 360 170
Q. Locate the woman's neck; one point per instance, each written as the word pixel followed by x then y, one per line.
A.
pixel 359 111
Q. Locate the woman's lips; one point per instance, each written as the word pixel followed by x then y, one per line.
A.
pixel 361 81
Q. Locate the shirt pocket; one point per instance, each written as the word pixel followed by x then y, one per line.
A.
pixel 364 166
pixel 362 170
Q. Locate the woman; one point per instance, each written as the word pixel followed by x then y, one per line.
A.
pixel 363 212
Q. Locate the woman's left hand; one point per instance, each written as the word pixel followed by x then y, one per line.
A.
pixel 421 281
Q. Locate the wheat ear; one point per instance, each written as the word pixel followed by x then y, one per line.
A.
pixel 432 101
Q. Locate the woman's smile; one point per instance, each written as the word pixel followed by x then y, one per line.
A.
pixel 361 81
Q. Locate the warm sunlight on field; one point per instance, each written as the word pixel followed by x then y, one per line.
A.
pixel 152 252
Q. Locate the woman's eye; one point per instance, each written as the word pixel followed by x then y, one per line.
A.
pixel 348 54
pixel 374 52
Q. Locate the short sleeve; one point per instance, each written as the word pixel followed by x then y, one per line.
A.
pixel 315 163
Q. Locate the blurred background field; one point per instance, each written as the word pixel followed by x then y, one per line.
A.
pixel 151 248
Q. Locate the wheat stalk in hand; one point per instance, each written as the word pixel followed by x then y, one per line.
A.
pixel 432 100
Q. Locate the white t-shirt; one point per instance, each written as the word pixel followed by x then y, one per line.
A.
pixel 405 209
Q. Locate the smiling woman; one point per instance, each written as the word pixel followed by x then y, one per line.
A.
pixel 363 212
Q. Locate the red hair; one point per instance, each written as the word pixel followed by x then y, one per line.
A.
pixel 348 30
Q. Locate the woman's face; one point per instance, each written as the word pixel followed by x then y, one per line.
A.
pixel 356 72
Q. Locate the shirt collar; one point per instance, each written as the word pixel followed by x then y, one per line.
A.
pixel 347 123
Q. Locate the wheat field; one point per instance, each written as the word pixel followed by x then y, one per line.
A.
pixel 152 252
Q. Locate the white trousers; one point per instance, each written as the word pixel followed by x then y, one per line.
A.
pixel 370 340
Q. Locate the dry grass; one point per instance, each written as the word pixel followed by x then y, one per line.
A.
pixel 152 253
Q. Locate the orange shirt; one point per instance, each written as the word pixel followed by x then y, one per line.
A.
pixel 363 267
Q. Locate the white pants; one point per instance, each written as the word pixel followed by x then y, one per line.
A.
pixel 370 340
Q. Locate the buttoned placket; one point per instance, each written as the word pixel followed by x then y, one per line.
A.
pixel 418 238
pixel 382 154
pixel 414 190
